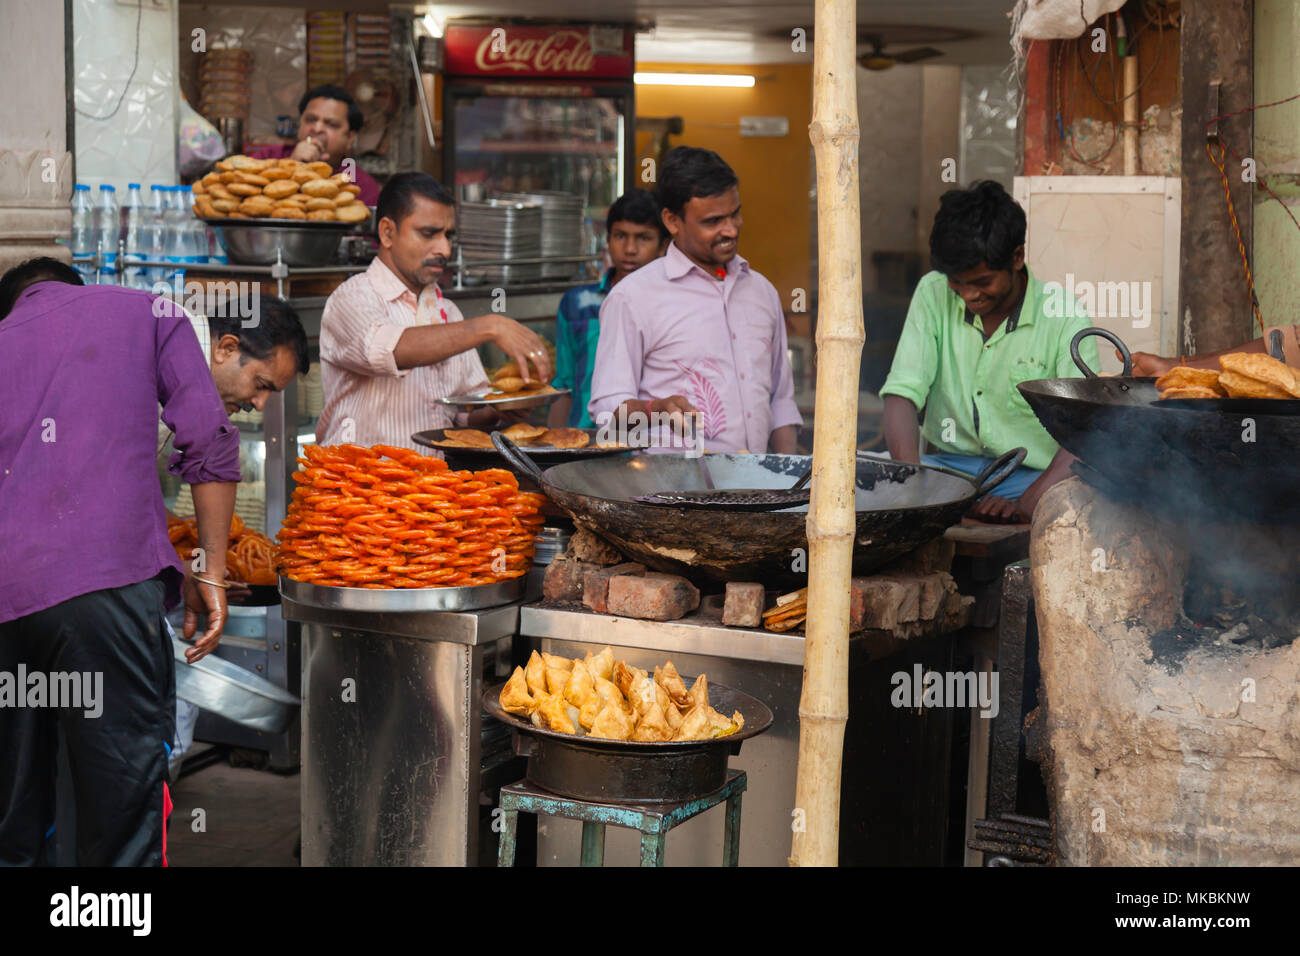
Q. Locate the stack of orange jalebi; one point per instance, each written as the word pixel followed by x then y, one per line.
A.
pixel 248 559
pixel 387 517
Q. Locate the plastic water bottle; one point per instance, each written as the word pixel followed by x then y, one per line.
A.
pixel 155 222
pixel 82 240
pixel 108 227
pixel 196 233
pixel 132 237
pixel 175 246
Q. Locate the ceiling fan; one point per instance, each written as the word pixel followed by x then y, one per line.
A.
pixel 878 59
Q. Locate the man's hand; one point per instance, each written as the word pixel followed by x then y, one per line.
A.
pixel 307 151
pixel 206 599
pixel 524 346
pixel 1144 363
pixel 997 510
pixel 677 409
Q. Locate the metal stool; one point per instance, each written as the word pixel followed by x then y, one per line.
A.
pixel 653 820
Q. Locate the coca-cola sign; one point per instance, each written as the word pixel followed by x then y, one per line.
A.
pixel 536 51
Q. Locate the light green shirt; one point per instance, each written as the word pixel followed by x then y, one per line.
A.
pixel 967 386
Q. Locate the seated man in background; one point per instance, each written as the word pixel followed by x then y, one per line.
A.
pixel 978 326
pixel 328 123
pixel 635 236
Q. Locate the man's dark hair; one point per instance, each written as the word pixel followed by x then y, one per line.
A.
pixel 397 198
pixel 687 173
pixel 277 324
pixel 638 206
pixel 43 269
pixel 974 225
pixel 331 92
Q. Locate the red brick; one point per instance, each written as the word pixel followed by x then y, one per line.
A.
pixel 587 546
pixel 595 583
pixel 563 580
pixel 743 606
pixel 654 597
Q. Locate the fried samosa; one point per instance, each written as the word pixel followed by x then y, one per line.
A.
pixel 580 686
pixel 555 715
pixel 624 676
pixel 535 674
pixel 671 681
pixel 553 660
pixel 609 694
pixel 515 698
pixel 666 704
pixel 695 725
pixel 642 694
pixel 613 723
pixel 602 664
pixel 590 710
pixel 653 726
pixel 699 693
pixel 556 680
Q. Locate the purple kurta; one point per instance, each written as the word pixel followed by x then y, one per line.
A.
pixel 82 373
pixel 670 328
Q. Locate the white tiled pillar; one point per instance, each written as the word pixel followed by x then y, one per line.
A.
pixel 35 166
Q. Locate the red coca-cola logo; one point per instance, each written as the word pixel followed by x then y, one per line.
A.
pixel 564 51
pixel 535 51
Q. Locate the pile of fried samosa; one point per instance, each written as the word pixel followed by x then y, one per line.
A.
pixel 598 697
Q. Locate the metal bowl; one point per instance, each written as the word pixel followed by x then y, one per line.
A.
pixel 255 242
pixel 403 600
pixel 629 771
pixel 233 692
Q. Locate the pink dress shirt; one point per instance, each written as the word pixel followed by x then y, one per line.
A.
pixel 360 380
pixel 670 328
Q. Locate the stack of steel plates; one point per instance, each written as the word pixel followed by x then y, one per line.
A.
pixel 562 233
pixel 500 229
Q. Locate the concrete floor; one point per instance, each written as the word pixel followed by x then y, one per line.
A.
pixel 250 818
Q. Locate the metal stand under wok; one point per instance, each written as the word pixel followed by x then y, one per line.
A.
pixel 652 821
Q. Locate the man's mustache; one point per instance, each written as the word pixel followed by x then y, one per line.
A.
pixel 440 261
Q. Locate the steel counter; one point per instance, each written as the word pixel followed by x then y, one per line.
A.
pixel 394 752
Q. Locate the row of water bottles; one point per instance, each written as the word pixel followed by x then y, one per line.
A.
pixel 161 229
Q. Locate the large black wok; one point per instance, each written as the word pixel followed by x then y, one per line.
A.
pixel 899 507
pixel 1178 459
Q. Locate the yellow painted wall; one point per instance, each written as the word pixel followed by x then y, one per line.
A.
pixel 775 172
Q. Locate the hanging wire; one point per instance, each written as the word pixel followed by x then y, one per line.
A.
pixel 139 12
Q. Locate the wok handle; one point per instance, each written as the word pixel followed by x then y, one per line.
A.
pixel 1107 334
pixel 512 453
pixel 998 471
pixel 803 480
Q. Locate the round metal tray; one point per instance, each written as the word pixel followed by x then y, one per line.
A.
pixel 540 453
pixel 505 403
pixel 399 600
pixel 232 691
pixel 629 771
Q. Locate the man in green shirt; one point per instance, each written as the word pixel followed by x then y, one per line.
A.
pixel 977 327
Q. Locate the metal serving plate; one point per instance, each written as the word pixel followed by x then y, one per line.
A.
pixel 547 454
pixel 255 242
pixel 233 692
pixel 506 403
pixel 399 600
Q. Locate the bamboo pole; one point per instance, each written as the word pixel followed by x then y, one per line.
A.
pixel 824 704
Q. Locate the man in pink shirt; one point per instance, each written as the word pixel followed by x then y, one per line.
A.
pixel 328 123
pixel 698 333
pixel 391 344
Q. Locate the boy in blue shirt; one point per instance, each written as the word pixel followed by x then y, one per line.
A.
pixel 635 236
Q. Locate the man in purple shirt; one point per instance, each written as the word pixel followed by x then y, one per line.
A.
pixel 697 333
pixel 86 568
pixel 328 123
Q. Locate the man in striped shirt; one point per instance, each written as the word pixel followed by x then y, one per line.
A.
pixel 391 344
